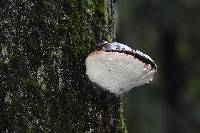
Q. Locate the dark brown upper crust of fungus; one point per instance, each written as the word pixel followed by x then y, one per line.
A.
pixel 136 55
pixel 121 49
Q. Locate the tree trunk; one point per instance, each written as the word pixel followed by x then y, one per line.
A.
pixel 43 85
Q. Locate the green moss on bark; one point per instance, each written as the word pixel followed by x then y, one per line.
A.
pixel 122 124
pixel 43 83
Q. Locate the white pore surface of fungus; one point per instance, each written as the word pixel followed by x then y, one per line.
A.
pixel 118 72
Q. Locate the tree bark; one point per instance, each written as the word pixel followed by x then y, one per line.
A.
pixel 43 85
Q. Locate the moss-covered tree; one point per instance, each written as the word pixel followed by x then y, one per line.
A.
pixel 43 85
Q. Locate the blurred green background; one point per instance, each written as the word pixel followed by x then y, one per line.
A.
pixel 169 32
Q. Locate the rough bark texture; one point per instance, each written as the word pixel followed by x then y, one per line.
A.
pixel 43 85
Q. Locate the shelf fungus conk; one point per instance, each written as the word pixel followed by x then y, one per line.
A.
pixel 118 68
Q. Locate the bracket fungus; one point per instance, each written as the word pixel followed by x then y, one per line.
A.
pixel 118 68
